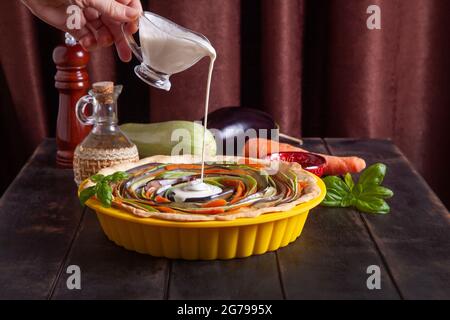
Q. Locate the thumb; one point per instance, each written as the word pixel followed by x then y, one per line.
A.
pixel 114 10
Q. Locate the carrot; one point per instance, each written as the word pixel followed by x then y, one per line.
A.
pixel 334 165
pixel 171 167
pixel 214 203
pixel 265 146
pixel 240 189
pixel 160 199
pixel 239 194
pixel 212 211
pixel 342 165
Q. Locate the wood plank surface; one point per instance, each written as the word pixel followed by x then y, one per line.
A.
pixel 39 216
pixel 43 229
pixel 414 238
pixel 109 271
pixel 249 278
pixel 330 258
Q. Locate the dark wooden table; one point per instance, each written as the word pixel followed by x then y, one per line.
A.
pixel 43 229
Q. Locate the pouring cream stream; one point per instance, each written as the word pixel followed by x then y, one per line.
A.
pixel 170 49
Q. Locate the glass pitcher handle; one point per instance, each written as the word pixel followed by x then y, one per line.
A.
pixel 80 110
pixel 132 44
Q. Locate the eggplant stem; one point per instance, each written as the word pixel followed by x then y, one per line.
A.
pixel 291 139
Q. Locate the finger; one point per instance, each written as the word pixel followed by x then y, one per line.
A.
pixel 131 28
pixel 88 42
pixel 113 9
pixel 85 38
pixel 104 37
pixel 98 29
pixel 101 33
pixel 121 45
pixel 91 43
pixel 132 3
pixel 91 14
pixel 123 50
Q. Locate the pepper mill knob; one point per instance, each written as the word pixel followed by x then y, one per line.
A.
pixel 72 82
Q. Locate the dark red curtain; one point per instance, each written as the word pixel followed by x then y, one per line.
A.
pixel 313 64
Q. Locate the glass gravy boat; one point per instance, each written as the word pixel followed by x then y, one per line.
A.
pixel 166 48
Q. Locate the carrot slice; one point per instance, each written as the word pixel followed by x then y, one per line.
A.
pixel 230 183
pixel 212 211
pixel 239 189
pixel 166 209
pixel 160 199
pixel 171 167
pixel 214 203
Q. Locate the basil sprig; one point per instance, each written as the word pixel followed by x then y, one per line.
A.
pixel 367 195
pixel 102 189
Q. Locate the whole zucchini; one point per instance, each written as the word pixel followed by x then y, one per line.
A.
pixel 169 138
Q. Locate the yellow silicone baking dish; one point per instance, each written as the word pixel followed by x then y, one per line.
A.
pixel 207 240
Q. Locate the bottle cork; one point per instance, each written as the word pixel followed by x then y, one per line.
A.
pixel 104 91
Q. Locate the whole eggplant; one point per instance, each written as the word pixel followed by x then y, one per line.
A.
pixel 231 124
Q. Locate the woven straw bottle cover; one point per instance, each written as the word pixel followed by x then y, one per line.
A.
pixel 106 145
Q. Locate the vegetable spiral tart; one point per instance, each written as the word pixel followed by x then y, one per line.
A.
pixel 249 189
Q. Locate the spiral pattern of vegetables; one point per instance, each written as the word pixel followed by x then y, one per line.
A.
pixel 150 188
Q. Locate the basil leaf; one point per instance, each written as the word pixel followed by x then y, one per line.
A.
pixel 373 175
pixel 331 203
pixel 349 181
pixel 371 204
pixel 86 194
pixel 357 190
pixel 377 191
pixel 348 200
pixel 119 176
pixel 97 178
pixel 337 192
pixel 367 195
pixel 332 199
pixel 336 184
pixel 104 194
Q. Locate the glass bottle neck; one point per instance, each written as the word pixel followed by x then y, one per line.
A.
pixel 106 117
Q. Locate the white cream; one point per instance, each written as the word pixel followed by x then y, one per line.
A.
pixel 208 89
pixel 170 49
pixel 194 190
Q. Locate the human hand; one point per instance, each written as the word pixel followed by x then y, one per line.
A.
pixel 100 21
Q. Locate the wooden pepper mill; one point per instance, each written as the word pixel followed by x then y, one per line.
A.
pixel 72 81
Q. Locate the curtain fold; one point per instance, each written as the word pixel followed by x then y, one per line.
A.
pixel 282 39
pixel 22 107
pixel 312 64
pixel 19 56
pixel 220 23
